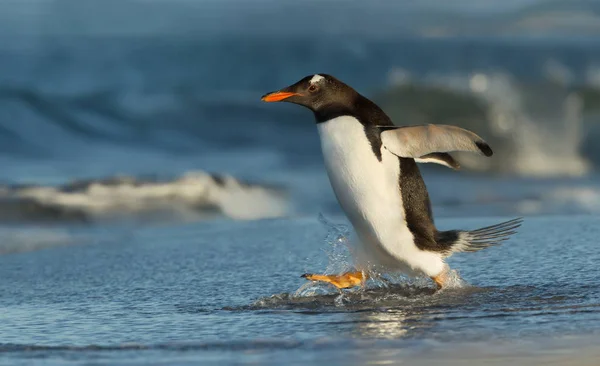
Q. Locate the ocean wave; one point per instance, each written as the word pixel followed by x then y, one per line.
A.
pixel 539 110
pixel 192 196
pixel 171 121
pixel 535 129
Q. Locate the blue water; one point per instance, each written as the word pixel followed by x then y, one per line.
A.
pixel 174 279
pixel 223 291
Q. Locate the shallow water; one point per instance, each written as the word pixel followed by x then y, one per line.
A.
pixel 117 235
pixel 225 291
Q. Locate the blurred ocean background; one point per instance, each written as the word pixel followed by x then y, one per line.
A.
pixel 151 205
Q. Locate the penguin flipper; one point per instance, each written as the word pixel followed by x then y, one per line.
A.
pixel 418 141
pixel 444 159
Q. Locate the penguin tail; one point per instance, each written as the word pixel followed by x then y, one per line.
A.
pixel 476 240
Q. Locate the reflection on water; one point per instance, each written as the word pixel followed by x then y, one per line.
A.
pixel 409 311
pixel 385 324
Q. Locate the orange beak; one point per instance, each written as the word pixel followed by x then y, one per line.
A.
pixel 277 96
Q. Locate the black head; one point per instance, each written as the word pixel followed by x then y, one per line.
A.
pixel 316 92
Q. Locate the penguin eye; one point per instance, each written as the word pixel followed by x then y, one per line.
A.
pixel 313 88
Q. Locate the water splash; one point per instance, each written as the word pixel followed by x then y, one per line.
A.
pixel 455 281
pixel 337 248
pixel 311 289
pixel 323 299
pixel 339 254
pixel 339 258
pixel 388 290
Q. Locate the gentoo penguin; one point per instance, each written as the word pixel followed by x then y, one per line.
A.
pixel 372 167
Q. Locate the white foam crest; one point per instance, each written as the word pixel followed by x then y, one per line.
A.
pixel 545 138
pixel 193 194
pixel 534 129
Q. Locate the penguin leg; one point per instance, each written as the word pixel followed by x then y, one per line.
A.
pixel 346 280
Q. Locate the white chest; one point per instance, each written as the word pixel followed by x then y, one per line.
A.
pixel 361 182
pixel 366 188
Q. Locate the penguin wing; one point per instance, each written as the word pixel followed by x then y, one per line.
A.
pixel 418 142
pixel 444 159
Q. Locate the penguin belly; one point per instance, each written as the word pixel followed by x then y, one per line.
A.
pixel 368 190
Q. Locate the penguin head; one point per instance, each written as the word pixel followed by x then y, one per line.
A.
pixel 314 92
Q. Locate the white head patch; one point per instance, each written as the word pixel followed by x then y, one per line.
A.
pixel 316 79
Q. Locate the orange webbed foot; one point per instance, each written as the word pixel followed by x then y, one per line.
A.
pixel 441 280
pixel 343 281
